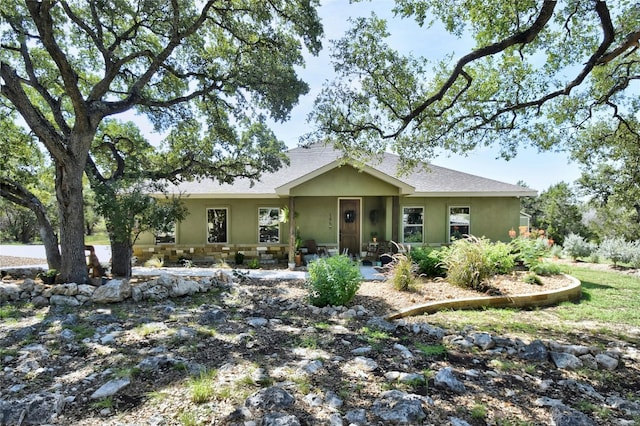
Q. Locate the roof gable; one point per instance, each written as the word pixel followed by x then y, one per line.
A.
pixel 334 167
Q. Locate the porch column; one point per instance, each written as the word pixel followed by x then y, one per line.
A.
pixel 391 225
pixel 392 218
pixel 292 229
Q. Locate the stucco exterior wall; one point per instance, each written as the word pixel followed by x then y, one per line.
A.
pixel 490 217
pixel 344 181
pixel 316 203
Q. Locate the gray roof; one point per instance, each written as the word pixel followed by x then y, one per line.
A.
pixel 309 162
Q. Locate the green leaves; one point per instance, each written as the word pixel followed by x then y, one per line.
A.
pixel 333 281
pixel 537 72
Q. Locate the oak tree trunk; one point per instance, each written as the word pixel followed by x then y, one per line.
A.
pixel 50 241
pixel 69 173
pixel 121 253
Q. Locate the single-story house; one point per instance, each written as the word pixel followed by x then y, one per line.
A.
pixel 336 207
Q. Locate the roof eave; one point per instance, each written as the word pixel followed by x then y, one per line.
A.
pixel 436 194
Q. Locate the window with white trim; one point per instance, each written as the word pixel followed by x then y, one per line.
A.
pixel 217 225
pixel 269 225
pixel 412 224
pixel 459 222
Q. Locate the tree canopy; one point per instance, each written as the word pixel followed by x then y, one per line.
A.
pixel 539 71
pixel 609 155
pixel 206 72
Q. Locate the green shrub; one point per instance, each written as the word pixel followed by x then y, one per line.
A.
pixel 467 262
pixel 617 250
pixel 530 251
pixel 500 257
pixel 575 246
pixel 429 261
pixel 333 281
pixel 545 268
pixel 532 278
pixel 555 251
pixel 253 263
pixel 635 255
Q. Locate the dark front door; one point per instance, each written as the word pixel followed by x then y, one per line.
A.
pixel 350 226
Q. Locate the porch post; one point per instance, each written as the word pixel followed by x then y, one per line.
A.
pixel 292 229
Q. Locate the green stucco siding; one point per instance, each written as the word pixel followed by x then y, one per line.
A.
pixel 344 181
pixel 490 217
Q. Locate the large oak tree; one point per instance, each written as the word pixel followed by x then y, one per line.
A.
pixel 25 179
pixel 67 65
pixel 538 72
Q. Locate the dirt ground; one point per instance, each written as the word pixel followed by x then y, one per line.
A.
pixel 502 389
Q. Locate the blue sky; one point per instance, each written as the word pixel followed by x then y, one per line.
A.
pixel 538 170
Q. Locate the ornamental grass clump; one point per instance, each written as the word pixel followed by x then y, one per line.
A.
pixel 467 263
pixel 402 270
pixel 333 281
pixel 402 273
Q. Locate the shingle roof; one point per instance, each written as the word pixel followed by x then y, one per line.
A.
pixel 308 162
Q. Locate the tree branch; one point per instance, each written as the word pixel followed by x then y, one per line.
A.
pixel 523 37
pixel 36 121
pixel 41 15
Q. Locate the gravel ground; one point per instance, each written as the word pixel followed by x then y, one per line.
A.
pixel 12 261
pixel 501 389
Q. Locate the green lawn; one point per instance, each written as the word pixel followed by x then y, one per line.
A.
pixel 606 297
pixel 97 239
pixel 610 306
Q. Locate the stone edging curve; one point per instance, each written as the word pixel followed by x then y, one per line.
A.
pixel 552 297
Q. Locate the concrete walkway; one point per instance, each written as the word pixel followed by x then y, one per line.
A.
pixel 104 254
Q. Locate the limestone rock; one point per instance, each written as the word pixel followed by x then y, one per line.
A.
pixel 68 289
pixel 111 388
pixel 382 324
pixel 183 287
pixel 280 419
pixel 398 407
pixel 607 362
pixel 213 316
pixel 535 351
pixel 273 398
pixel 156 292
pixel 60 300
pixel 36 409
pixel 445 379
pixel 112 291
pixel 566 360
pixel 40 301
pixel 565 416
pixel 9 291
pixel 483 340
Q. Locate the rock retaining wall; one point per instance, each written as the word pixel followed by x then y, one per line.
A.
pixel 112 291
